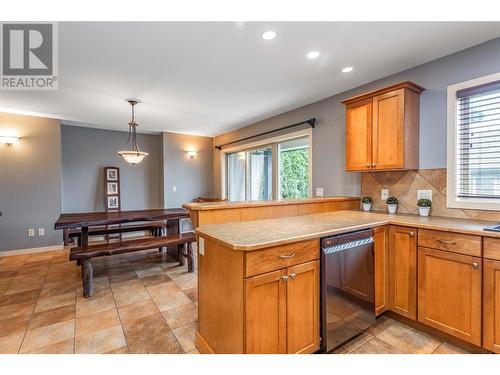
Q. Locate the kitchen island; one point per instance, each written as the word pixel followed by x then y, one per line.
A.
pixel 248 303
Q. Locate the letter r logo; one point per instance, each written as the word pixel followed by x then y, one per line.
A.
pixel 27 49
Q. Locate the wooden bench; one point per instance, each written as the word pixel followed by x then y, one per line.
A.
pixel 153 228
pixel 85 254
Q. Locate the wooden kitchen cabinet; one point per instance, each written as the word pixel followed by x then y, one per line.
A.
pixel 382 129
pixel 250 306
pixel 282 311
pixel 359 135
pixel 491 305
pixel 265 321
pixel 302 308
pixel 381 265
pixel 449 293
pixel 403 271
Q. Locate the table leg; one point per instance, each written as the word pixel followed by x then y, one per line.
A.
pixel 173 228
pixel 87 278
pixel 84 240
pixel 66 237
pixel 190 257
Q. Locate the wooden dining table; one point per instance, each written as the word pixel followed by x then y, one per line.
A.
pixel 85 220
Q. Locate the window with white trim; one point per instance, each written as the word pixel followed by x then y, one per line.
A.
pixel 474 144
pixel 275 168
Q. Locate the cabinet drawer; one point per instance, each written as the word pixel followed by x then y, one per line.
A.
pixel 277 257
pixel 491 248
pixel 455 242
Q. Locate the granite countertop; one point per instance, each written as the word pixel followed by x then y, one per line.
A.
pixel 194 206
pixel 258 234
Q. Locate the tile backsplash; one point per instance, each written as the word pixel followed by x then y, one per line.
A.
pixel 404 185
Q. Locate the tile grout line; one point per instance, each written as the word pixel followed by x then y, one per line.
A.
pixel 161 313
pixel 118 313
pixel 34 307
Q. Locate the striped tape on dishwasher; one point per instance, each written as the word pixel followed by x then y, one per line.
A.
pixel 348 245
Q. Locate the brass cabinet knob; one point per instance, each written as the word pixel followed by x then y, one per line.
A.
pixel 475 265
pixel 292 275
pixel 412 234
pixel 284 278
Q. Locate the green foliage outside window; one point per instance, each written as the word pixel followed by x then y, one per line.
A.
pixel 294 173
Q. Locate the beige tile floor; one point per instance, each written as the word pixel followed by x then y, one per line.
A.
pixel 143 303
pixel 388 336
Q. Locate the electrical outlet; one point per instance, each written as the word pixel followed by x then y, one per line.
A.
pixel 424 194
pixel 174 188
pixel 201 245
pixel 384 194
pixel 31 232
pixel 41 231
pixel 320 192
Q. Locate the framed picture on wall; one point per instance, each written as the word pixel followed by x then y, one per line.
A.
pixel 112 174
pixel 113 202
pixel 112 188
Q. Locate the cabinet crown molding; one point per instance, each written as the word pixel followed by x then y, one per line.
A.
pixel 401 85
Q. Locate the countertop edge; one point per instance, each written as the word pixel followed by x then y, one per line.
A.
pixel 376 223
pixel 289 240
pixel 194 206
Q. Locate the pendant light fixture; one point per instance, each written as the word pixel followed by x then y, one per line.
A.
pixel 133 156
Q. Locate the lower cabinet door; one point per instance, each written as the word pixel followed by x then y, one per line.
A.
pixel 491 305
pixel 403 271
pixel 449 293
pixel 265 313
pixel 303 308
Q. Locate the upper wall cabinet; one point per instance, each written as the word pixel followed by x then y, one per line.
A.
pixel 382 129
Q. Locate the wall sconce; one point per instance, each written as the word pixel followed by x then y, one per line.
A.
pixel 191 153
pixel 8 139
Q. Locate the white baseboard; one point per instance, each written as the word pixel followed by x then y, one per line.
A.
pixel 32 250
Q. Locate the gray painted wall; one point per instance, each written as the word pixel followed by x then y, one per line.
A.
pixel 191 177
pixel 30 182
pixel 86 151
pixel 329 134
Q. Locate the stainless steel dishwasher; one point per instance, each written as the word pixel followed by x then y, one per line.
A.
pixel 347 287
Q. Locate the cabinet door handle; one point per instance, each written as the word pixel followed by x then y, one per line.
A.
pixel 284 278
pixel 412 234
pixel 446 242
pixel 374 165
pixel 292 275
pixel 475 265
pixel 367 165
pixel 287 256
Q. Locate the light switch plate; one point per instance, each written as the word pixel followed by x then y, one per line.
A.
pixel 31 232
pixel 41 231
pixel 320 192
pixel 384 194
pixel 424 194
pixel 174 188
pixel 201 245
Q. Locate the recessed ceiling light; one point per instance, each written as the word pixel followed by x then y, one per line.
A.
pixel 347 69
pixel 269 34
pixel 313 55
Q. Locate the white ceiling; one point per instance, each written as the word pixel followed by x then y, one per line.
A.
pixel 208 78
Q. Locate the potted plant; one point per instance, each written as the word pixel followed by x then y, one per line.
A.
pixel 367 203
pixel 392 204
pixel 424 206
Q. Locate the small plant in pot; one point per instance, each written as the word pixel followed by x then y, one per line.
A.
pixel 392 204
pixel 367 203
pixel 424 206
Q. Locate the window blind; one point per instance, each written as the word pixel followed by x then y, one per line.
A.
pixel 478 141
